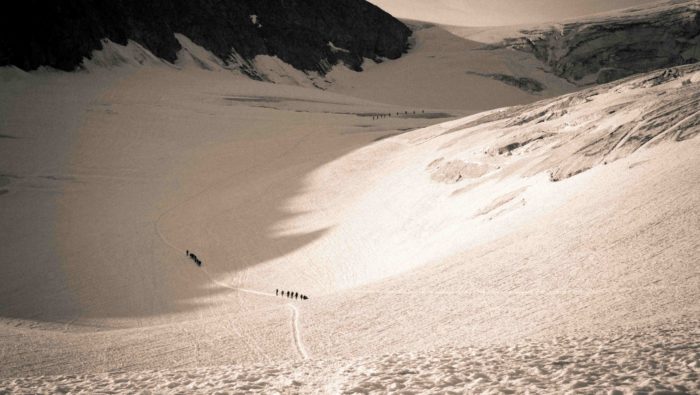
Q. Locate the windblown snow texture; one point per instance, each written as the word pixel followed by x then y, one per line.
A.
pixel 61 34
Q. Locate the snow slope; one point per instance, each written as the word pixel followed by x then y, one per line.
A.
pixel 443 71
pixel 640 361
pixel 456 185
pixel 550 246
pixel 100 166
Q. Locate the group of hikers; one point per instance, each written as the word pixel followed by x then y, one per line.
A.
pixel 278 292
pixel 290 294
pixel 193 257
pixel 378 116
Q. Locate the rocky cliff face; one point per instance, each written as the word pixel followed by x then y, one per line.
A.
pixel 611 47
pixel 310 35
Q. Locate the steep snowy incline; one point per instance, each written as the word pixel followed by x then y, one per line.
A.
pixel 425 195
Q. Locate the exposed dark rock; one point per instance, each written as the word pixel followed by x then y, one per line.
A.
pixel 60 34
pixel 609 48
pixel 523 83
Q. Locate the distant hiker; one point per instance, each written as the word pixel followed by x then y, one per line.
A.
pixel 277 292
pixel 287 293
pixel 187 252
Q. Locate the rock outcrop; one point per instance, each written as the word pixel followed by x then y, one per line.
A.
pixel 311 35
pixel 523 83
pixel 610 47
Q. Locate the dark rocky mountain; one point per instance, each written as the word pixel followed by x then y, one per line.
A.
pixel 607 48
pixel 300 32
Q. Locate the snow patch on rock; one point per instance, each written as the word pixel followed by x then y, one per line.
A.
pixel 193 55
pixel 115 55
pixel 335 49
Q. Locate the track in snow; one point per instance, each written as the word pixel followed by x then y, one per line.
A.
pixel 299 345
pixel 297 334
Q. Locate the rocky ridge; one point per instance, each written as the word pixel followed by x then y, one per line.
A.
pixel 310 35
pixel 609 47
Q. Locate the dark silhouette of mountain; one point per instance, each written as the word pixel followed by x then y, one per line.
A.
pixel 311 35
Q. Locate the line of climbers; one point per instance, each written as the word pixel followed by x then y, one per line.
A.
pixel 192 256
pixel 378 116
pixel 290 294
pixel 278 292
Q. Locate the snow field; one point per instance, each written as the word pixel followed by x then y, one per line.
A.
pixel 656 360
pixel 547 247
